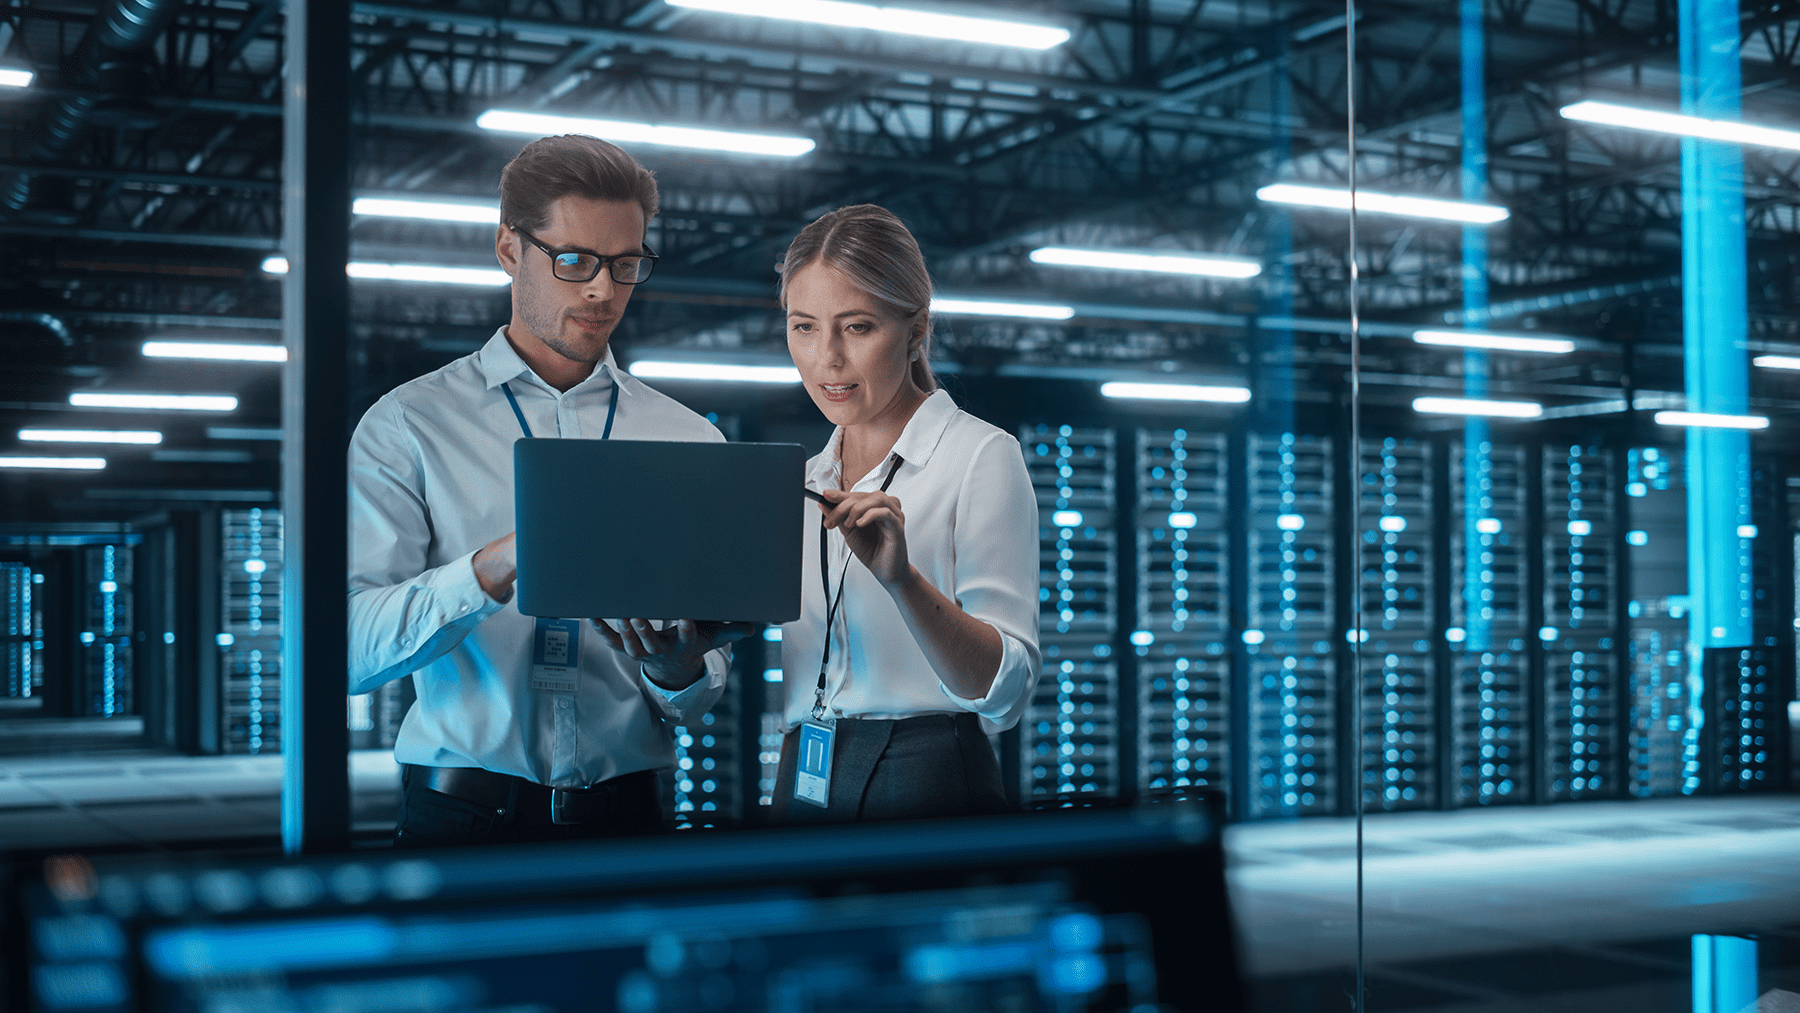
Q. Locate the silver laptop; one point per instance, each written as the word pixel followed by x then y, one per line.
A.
pixel 616 529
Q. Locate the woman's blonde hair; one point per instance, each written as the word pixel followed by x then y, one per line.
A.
pixel 872 248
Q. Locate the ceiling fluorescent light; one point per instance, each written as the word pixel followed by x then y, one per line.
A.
pixel 427 210
pixel 1777 361
pixel 215 350
pixel 1474 406
pixel 1710 420
pixel 156 402
pixel 1612 115
pixel 1174 392
pixel 1383 203
pixel 1498 342
pixel 434 274
pixel 714 371
pixel 1001 308
pixel 429 273
pixel 130 436
pixel 15 77
pixel 621 131
pixel 1200 264
pixel 898 20
pixel 62 463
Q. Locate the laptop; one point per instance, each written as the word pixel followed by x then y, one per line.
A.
pixel 635 529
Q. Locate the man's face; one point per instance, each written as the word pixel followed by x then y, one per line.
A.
pixel 573 320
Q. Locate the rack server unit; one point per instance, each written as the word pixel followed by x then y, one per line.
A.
pixel 1070 734
pixel 1183 613
pixel 104 683
pixel 1292 614
pixel 249 639
pixel 1581 706
pixel 1664 753
pixel 21 633
pixel 1492 675
pixel 707 761
pixel 1398 685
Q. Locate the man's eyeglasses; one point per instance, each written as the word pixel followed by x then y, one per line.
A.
pixel 569 265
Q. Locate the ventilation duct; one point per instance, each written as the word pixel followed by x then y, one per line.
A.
pixel 102 63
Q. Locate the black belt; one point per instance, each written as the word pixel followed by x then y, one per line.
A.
pixel 502 792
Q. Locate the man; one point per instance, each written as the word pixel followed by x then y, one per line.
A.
pixel 495 748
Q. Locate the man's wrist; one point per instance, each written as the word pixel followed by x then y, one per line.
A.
pixel 670 679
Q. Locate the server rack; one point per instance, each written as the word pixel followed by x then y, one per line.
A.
pixel 1492 686
pixel 1183 575
pixel 1580 543
pixel 1291 606
pixel 1070 738
pixel 104 676
pixel 249 638
pixel 707 768
pixel 1398 685
pixel 21 632
pixel 1663 757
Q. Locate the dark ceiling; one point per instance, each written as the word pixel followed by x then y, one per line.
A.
pixel 140 189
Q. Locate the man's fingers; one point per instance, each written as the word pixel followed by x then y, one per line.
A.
pixel 608 634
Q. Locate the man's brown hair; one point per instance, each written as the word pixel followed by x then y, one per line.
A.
pixel 571 165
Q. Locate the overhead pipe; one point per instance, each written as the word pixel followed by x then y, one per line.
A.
pixel 122 31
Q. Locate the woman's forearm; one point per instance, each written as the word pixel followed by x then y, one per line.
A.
pixel 964 651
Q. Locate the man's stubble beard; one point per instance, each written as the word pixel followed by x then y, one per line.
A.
pixel 546 323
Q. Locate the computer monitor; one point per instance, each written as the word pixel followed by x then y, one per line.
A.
pixel 1084 910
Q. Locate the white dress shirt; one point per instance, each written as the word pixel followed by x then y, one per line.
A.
pixel 971 530
pixel 431 482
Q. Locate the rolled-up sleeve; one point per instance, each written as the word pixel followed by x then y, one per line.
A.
pixel 403 615
pixel 996 544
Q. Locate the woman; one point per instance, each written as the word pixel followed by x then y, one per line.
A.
pixel 918 624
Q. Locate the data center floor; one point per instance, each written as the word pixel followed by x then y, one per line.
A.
pixel 1583 906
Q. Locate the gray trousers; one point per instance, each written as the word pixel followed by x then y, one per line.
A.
pixel 914 768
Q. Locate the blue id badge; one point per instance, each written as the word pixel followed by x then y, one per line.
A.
pixel 812 778
pixel 555 655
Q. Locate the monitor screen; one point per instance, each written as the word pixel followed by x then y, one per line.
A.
pixel 1116 910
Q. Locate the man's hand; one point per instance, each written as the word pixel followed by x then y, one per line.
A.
pixel 673 658
pixel 496 566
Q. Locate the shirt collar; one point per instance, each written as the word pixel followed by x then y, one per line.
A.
pixel 915 446
pixel 500 363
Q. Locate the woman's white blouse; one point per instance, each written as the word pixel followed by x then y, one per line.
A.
pixel 971 529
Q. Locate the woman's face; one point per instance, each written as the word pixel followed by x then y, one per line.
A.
pixel 853 355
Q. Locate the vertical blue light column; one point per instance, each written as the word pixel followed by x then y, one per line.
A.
pixel 1724 974
pixel 1714 332
pixel 1478 502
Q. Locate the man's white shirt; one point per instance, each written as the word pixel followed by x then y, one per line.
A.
pixel 431 483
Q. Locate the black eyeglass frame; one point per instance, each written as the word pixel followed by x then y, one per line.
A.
pixel 603 263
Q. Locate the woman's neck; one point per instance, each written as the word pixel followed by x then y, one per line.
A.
pixel 866 445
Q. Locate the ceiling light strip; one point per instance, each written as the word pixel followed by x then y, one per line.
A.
pixel 218 351
pixel 1496 341
pixel 1467 212
pixel 1710 420
pixel 1478 407
pixel 661 134
pixel 155 402
pixel 1656 121
pixel 1174 392
pixel 142 437
pixel 895 20
pixel 1196 264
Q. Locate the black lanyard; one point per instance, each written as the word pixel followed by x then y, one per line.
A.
pixel 833 603
pixel 611 409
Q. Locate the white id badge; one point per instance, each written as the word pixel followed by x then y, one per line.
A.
pixel 812 778
pixel 555 655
